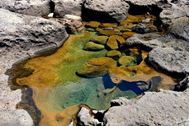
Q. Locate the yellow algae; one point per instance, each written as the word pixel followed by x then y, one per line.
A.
pixel 108 32
pixel 92 24
pixel 141 72
pixel 57 89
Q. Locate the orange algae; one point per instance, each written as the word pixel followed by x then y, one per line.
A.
pixel 60 68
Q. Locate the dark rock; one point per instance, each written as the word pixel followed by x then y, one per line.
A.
pixel 104 10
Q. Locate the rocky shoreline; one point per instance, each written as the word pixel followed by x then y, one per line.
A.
pixel 24 32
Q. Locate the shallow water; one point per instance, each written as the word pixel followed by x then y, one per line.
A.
pixel 58 91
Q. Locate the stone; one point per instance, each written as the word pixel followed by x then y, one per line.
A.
pixel 100 39
pixel 113 54
pixel 28 7
pixel 180 28
pixel 92 24
pixel 109 11
pixel 91 46
pixel 96 67
pixel 107 32
pixel 28 33
pixel 170 108
pixel 108 25
pixel 126 35
pixel 142 28
pixel 63 7
pixel 114 41
pixel 127 61
pixel 86 118
pixel 169 60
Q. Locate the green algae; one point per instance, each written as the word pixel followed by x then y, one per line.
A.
pixel 58 91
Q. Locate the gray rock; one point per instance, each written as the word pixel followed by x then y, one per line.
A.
pixel 28 33
pixel 28 7
pixel 148 41
pixel 86 118
pixel 166 108
pixel 140 28
pixel 113 10
pixel 63 7
pixel 169 60
pixel 180 28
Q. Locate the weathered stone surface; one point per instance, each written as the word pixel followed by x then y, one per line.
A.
pixel 86 118
pixel 91 46
pixel 169 60
pixel 21 36
pixel 28 33
pixel 29 7
pixel 180 28
pixel 63 7
pixel 166 108
pixel 110 10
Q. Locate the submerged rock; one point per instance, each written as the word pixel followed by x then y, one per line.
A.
pixel 92 24
pixel 110 11
pixel 169 60
pixel 113 54
pixel 114 41
pixel 127 61
pixel 96 67
pixel 91 46
pixel 100 39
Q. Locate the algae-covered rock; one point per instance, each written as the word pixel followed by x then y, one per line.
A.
pixel 108 25
pixel 100 39
pixel 114 41
pixel 96 67
pixel 127 34
pixel 113 54
pixel 91 46
pixel 92 24
pixel 108 32
pixel 127 61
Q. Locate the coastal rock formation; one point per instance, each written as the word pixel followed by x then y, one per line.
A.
pixel 22 36
pixel 169 60
pixel 63 7
pixel 105 10
pixel 28 7
pixel 28 33
pixel 152 109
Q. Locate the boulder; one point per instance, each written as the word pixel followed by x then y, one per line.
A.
pixel 105 10
pixel 180 28
pixel 169 60
pixel 91 46
pixel 28 33
pixel 166 108
pixel 63 7
pixel 86 118
pixel 28 7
